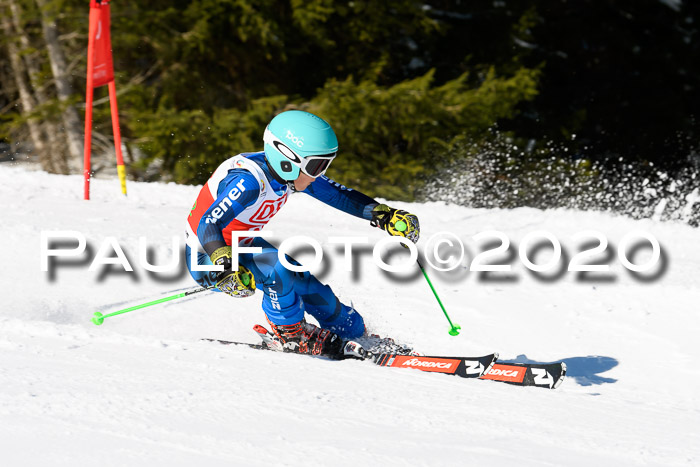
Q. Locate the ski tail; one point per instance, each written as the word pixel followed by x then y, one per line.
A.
pixel 466 367
pixel 548 375
pixel 225 342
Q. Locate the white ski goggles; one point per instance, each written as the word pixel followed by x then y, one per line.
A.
pixel 313 166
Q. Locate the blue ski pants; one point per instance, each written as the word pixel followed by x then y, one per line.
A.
pixel 288 294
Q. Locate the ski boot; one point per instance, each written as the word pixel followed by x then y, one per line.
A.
pixel 305 338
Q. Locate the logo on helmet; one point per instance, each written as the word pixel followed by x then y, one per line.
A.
pixel 294 139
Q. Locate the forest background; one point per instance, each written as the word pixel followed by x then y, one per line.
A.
pixel 587 103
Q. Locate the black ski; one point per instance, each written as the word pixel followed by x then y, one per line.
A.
pixel 541 375
pixel 547 375
pixel 466 367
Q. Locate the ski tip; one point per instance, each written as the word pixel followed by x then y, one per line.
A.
pixel 558 382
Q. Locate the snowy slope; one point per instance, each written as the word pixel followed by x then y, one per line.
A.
pixel 143 390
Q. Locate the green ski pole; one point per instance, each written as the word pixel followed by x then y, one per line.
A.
pixel 454 328
pixel 98 318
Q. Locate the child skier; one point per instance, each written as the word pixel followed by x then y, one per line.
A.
pixel 243 194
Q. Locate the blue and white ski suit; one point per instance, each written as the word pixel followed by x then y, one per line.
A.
pixel 243 195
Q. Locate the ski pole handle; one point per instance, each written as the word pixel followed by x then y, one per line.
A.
pixel 454 328
pixel 98 318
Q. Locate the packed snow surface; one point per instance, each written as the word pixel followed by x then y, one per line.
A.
pixel 142 389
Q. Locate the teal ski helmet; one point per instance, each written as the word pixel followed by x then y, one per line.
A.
pixel 299 141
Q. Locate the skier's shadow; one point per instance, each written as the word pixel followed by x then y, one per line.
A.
pixel 584 370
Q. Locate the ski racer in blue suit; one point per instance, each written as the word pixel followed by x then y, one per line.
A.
pixel 244 193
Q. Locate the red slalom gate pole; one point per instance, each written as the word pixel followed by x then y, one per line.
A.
pixel 89 92
pixel 100 71
pixel 88 139
pixel 121 171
